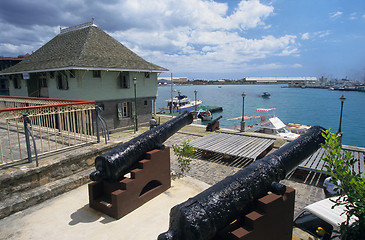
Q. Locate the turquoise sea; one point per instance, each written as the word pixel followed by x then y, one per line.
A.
pixel 293 105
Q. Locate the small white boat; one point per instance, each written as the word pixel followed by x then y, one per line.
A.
pixel 272 125
pixel 205 115
pixel 182 102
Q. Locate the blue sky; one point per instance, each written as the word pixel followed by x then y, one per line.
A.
pixel 208 39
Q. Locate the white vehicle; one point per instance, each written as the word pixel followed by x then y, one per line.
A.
pixel 318 221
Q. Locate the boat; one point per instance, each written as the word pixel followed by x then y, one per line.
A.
pixel 205 115
pixel 265 95
pixel 272 125
pixel 182 102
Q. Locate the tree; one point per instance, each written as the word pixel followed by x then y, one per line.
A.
pixel 184 152
pixel 338 165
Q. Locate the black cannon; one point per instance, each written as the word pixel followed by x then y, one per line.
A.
pixel 202 216
pixel 213 125
pixel 112 165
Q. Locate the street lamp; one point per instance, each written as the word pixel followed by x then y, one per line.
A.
pixel 178 93
pixel 243 112
pixel 195 91
pixel 342 99
pixel 135 105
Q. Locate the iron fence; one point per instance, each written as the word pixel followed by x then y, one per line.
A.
pixel 52 124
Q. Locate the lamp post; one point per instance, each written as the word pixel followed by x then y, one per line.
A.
pixel 195 115
pixel 339 132
pixel 135 105
pixel 178 93
pixel 243 112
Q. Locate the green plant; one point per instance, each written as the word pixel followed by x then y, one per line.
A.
pixel 184 152
pixel 338 165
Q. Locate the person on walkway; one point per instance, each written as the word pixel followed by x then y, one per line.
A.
pixel 329 188
pixel 153 123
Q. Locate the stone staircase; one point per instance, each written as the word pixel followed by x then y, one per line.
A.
pixel 25 185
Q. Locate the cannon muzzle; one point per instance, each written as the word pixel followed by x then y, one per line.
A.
pixel 202 216
pixel 112 165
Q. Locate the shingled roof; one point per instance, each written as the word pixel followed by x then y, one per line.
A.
pixel 87 48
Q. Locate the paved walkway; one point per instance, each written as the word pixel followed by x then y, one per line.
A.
pixel 69 217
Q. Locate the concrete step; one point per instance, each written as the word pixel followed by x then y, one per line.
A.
pixel 22 200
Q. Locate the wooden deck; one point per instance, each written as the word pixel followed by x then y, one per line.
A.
pixel 315 163
pixel 310 170
pixel 234 145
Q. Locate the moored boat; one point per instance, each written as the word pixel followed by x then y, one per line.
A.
pixel 265 95
pixel 205 115
pixel 182 102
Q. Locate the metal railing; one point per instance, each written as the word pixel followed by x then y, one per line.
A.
pixel 53 125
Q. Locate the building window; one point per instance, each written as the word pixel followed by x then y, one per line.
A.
pixel 51 74
pixel 124 110
pixel 72 74
pixel 17 83
pixel 124 81
pixel 62 81
pixel 43 80
pixel 145 102
pixel 96 73
pixel 147 75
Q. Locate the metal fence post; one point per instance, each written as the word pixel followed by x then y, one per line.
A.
pixel 26 121
pixel 97 110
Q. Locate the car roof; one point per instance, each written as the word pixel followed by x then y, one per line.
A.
pixel 324 210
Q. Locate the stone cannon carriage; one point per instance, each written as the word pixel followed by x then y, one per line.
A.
pixel 148 163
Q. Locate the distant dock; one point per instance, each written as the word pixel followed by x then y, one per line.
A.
pixel 212 109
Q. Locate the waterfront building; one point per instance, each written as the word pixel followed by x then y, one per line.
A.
pixel 280 79
pixel 83 62
pixel 6 62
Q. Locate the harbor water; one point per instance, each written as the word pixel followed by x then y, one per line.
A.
pixel 293 105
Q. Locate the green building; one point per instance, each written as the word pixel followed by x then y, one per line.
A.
pixel 83 62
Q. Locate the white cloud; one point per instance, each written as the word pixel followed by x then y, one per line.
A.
pixel 314 35
pixel 185 35
pixel 353 16
pixel 305 36
pixel 336 14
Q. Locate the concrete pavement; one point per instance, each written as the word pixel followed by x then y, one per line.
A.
pixel 69 216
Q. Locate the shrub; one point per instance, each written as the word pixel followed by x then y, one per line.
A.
pixel 184 152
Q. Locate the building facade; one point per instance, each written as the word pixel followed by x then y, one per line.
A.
pixel 6 62
pixel 83 62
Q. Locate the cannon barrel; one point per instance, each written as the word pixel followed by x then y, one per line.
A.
pixel 202 216
pixel 112 165
pixel 212 122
